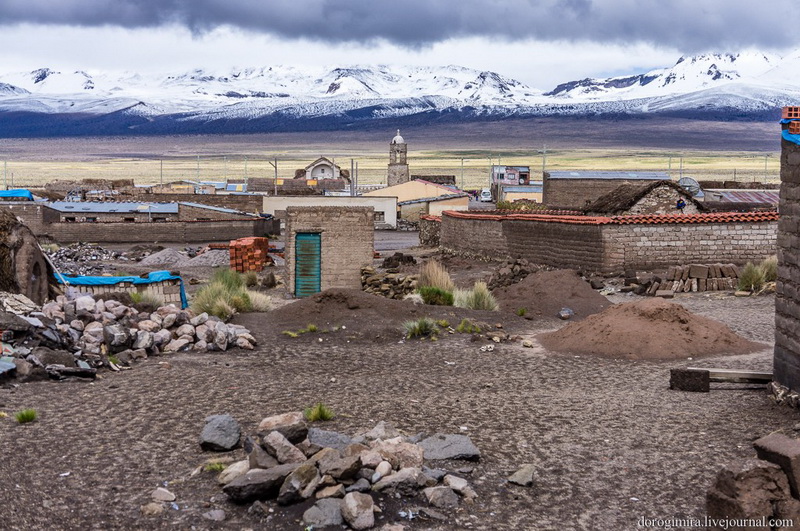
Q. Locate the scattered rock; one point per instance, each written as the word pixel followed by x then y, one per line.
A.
pixel 279 447
pixel 450 446
pixel 335 491
pixel 237 469
pixel 151 509
pixel 163 495
pixel 441 497
pixel 258 484
pixel 357 510
pixel 296 483
pixel 292 425
pixel 524 476
pixel 328 439
pixel 324 513
pixel 221 433
pixel 215 515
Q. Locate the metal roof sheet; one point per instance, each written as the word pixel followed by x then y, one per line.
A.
pixel 108 206
pixel 210 207
pixel 770 197
pixel 610 175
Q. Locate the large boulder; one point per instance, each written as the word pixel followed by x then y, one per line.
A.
pixel 358 510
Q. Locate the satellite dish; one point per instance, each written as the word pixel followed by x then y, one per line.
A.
pixel 691 186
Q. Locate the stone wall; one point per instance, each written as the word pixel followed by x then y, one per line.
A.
pixel 429 227
pixel 662 200
pixel 787 296
pixel 612 245
pixel 657 246
pixel 348 242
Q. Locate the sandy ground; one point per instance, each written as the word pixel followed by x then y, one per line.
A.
pixel 610 442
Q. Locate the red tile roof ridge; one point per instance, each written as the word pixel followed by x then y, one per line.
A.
pixel 713 217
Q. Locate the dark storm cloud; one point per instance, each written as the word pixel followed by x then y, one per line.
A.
pixel 683 24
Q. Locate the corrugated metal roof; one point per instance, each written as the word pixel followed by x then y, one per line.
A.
pixel 770 197
pixel 610 175
pixel 432 199
pixel 107 206
pixel 210 207
pixel 522 189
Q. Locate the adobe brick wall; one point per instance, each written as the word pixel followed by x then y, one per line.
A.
pixel 32 214
pixel 192 213
pixel 472 237
pixel 577 193
pixel 348 242
pixel 556 244
pixel 245 203
pixel 172 231
pixel 786 359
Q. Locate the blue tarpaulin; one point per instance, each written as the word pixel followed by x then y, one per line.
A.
pixel 155 276
pixel 16 193
pixel 788 136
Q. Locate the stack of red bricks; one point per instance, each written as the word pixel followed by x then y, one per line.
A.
pixel 249 254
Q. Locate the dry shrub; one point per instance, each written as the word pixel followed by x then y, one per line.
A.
pixel 433 274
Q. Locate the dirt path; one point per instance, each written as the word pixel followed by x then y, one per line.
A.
pixel 611 443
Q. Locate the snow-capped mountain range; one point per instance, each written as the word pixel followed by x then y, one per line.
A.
pixel 45 102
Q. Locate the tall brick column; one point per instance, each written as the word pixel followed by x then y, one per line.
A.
pixel 787 299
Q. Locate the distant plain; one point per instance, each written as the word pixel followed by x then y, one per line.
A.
pixel 745 151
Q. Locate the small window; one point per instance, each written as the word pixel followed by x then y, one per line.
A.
pixel 380 216
pixel 70 219
pixel 129 220
pixel 91 219
pixel 159 220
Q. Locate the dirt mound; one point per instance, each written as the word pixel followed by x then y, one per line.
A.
pixel 358 315
pixel 212 257
pixel 651 329
pixel 544 293
pixel 165 257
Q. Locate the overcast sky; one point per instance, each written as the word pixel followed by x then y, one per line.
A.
pixel 539 42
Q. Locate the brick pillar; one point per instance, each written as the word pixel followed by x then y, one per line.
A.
pixel 787 298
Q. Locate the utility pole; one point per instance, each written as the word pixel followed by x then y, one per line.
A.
pixel 352 178
pixel 681 170
pixel 161 172
pixel 669 168
pixel 198 168
pixel 462 173
pixel 225 168
pixel 245 171
pixel 5 174
pixel 275 181
pixel 544 158
pixel 765 167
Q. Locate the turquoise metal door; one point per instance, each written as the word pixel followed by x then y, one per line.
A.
pixel 308 263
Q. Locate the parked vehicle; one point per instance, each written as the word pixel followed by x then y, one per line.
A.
pixel 486 196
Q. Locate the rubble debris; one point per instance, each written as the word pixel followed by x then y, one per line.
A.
pixel 510 272
pixel 398 259
pixel 684 279
pixel 84 259
pixel 389 285
pixel 343 479
pixel 23 267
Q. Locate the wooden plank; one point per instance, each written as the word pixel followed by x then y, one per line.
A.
pixel 735 375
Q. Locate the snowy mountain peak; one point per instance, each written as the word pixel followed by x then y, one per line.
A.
pixel 689 74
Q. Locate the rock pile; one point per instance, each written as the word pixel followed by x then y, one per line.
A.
pixel 291 463
pixel 83 333
pixel 397 260
pixel 510 272
pixel 389 285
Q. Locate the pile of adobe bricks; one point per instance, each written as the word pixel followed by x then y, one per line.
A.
pixel 249 254
pixel 714 277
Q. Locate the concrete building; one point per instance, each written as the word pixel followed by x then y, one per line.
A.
pixel 418 197
pixel 322 168
pixel 326 247
pixel 398 161
pixel 511 175
pixel 385 208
